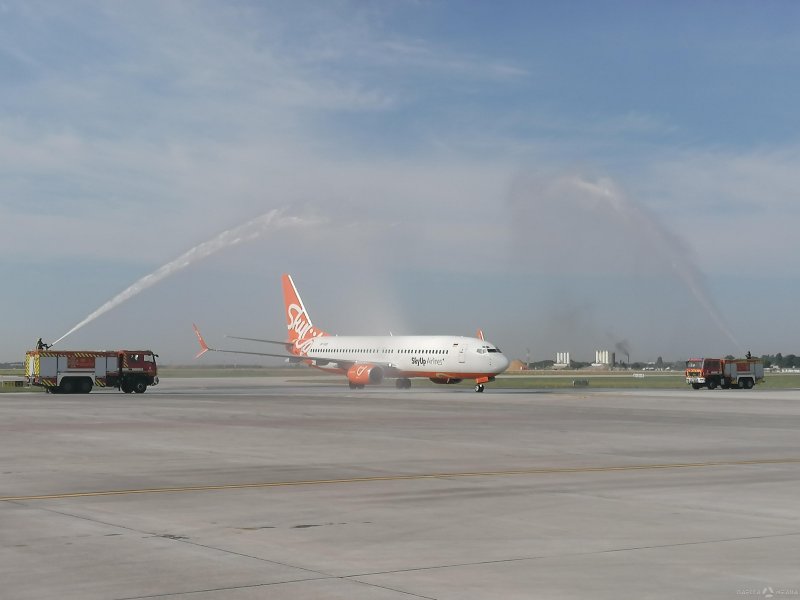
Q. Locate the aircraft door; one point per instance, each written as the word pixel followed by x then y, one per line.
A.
pixel 462 354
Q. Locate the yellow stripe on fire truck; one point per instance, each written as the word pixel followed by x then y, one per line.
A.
pixel 52 354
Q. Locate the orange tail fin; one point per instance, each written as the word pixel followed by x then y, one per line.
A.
pixel 300 330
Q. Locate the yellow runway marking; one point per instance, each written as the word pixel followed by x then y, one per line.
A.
pixel 540 471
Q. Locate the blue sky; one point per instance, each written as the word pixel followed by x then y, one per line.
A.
pixel 564 175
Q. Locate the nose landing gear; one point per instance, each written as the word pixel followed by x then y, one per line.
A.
pixel 479 387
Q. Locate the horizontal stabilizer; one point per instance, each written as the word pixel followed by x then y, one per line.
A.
pixel 204 347
pixel 236 337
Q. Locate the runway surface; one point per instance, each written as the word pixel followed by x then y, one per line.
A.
pixel 272 488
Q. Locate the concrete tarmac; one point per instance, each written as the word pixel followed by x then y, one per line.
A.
pixel 268 488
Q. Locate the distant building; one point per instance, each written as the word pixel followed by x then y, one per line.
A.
pixel 604 358
pixel 562 360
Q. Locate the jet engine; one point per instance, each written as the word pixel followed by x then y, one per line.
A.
pixel 364 374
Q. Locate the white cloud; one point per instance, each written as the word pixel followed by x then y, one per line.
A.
pixel 186 117
pixel 420 54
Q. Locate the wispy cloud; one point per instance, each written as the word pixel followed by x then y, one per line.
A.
pixel 183 116
pixel 421 54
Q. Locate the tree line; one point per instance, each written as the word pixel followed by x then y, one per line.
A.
pixel 779 360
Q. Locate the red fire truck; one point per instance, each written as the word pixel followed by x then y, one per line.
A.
pixel 78 371
pixel 723 372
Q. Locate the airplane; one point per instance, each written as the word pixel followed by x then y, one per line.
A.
pixel 368 360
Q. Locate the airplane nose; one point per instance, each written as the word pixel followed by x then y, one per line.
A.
pixel 502 363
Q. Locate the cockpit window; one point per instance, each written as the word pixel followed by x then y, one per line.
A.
pixel 485 349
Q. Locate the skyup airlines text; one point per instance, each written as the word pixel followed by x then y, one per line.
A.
pixel 422 361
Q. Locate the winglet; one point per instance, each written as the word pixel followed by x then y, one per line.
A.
pixel 204 347
pixel 480 335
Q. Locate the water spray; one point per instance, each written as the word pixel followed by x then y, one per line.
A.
pixel 250 230
pixel 593 201
pixel 640 221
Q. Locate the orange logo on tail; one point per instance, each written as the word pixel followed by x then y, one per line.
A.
pixel 298 323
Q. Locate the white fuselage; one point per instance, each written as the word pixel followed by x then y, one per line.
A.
pixel 420 356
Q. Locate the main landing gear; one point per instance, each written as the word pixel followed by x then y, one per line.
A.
pixel 403 383
pixel 479 387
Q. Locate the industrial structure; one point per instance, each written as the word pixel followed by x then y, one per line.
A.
pixel 562 360
pixel 604 358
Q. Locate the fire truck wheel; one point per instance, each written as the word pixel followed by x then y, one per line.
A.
pixel 67 385
pixel 695 386
pixel 747 384
pixel 85 386
pixel 712 384
pixel 126 387
pixel 140 387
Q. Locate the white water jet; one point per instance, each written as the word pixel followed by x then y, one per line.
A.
pixel 250 230
pixel 590 225
pixel 665 243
